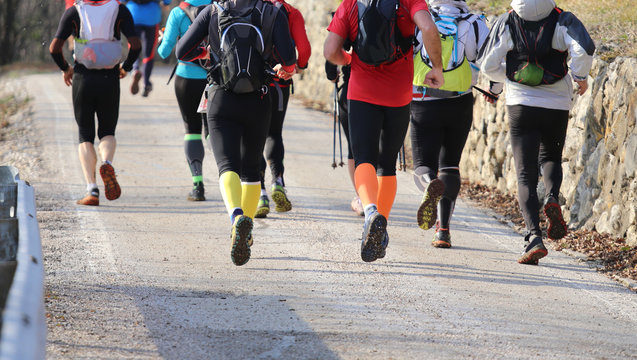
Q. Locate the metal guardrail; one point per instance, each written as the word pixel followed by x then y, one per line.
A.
pixel 23 333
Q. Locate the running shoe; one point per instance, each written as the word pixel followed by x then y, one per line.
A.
pixel 263 207
pixel 374 234
pixel 147 90
pixel 383 246
pixel 112 190
pixel 92 198
pixel 281 201
pixel 557 227
pixel 134 87
pixel 197 193
pixel 442 238
pixel 357 206
pixel 534 251
pixel 428 209
pixel 241 240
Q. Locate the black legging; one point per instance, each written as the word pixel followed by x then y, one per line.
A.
pixel 274 149
pixel 343 116
pixel 95 92
pixel 371 125
pixel 148 36
pixel 188 93
pixel 537 136
pixel 238 127
pixel 439 130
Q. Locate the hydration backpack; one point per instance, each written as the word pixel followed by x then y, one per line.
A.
pixel 142 2
pixel 457 72
pixel 245 42
pixel 96 46
pixel 533 61
pixel 379 40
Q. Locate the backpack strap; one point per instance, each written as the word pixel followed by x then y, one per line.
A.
pixel 268 14
pixel 189 10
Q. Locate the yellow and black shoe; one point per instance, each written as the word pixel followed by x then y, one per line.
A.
pixel 241 240
pixel 263 207
pixel 281 201
pixel 428 209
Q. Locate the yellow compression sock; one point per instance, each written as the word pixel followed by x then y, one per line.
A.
pixel 366 183
pixel 250 198
pixel 387 186
pixel 230 186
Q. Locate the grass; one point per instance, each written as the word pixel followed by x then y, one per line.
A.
pixel 611 23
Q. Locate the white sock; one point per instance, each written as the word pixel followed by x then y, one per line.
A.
pixel 370 209
pixel 90 187
pixel 264 193
pixel 108 162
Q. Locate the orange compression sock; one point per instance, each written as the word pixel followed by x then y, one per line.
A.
pixel 366 183
pixel 387 186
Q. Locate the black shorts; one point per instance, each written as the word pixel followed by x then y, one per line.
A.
pixel 96 92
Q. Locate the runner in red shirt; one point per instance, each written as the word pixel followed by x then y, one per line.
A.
pixel 280 94
pixel 379 98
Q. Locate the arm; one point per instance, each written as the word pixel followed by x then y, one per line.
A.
pixel 333 50
pixel 493 53
pixel 571 35
pixel 127 27
pixel 171 33
pixel 188 48
pixel 284 51
pixel 68 23
pixel 299 35
pixel 431 42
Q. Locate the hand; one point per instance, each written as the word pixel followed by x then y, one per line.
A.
pixel 582 86
pixel 122 73
pixel 282 74
pixel 434 78
pixel 299 70
pixel 68 76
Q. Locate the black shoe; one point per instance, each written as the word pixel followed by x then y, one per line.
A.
pixel 373 237
pixel 442 238
pixel 147 90
pixel 534 250
pixel 197 193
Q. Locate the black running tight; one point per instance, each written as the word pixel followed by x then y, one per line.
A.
pixel 274 150
pixel 439 130
pixel 238 128
pixel 537 137
pixel 376 134
pixel 188 92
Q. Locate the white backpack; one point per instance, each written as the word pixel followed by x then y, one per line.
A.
pixel 96 46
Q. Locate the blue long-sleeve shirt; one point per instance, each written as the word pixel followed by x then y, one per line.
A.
pixel 146 14
pixel 176 26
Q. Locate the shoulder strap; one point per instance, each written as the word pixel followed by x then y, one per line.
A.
pixel 189 10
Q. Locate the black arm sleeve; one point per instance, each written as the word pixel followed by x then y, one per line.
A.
pixel 69 24
pixel 331 71
pixel 126 26
pixel 188 46
pixel 284 50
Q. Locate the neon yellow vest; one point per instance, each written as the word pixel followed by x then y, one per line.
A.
pixel 457 78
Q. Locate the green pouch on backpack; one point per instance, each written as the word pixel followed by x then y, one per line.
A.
pixel 529 74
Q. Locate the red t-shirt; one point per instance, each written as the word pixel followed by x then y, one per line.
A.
pixel 386 85
pixel 69 3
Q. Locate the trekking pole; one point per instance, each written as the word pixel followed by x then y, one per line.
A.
pixel 338 113
pixel 404 158
pixel 334 131
pixel 400 159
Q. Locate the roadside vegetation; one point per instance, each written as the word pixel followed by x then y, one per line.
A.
pixel 611 23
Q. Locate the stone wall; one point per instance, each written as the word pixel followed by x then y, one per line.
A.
pixel 600 156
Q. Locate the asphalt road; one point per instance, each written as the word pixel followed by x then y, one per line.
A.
pixel 150 276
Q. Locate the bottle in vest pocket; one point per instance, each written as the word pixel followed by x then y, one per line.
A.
pixel 96 46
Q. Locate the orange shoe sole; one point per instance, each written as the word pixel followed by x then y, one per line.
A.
pixel 112 190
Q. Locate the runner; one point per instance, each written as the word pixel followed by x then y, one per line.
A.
pixel 239 123
pixel 280 94
pixel 147 15
pixel 379 98
pixel 95 82
pixel 441 119
pixel 332 73
pixel 190 83
pixel 539 98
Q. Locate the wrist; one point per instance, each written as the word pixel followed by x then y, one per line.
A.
pixel 347 57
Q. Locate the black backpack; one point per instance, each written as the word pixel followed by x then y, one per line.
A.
pixel 379 40
pixel 142 2
pixel 245 42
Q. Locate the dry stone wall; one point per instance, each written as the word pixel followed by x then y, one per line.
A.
pixel 600 155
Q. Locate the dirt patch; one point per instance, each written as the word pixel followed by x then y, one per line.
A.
pixel 617 259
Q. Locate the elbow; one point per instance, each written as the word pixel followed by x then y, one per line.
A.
pixel 330 52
